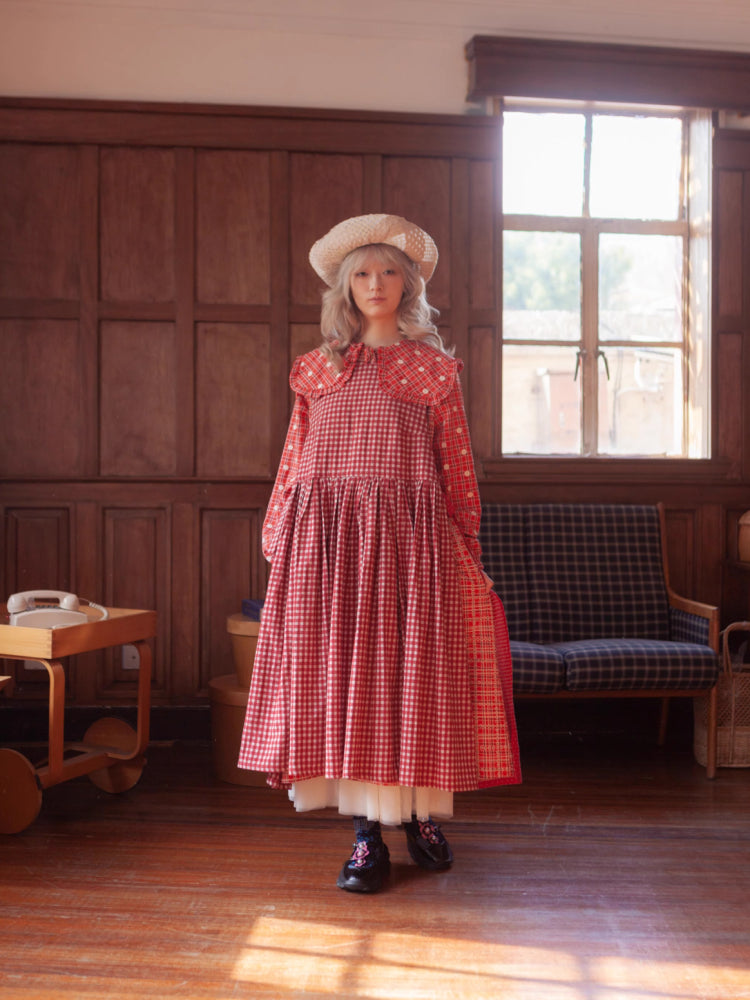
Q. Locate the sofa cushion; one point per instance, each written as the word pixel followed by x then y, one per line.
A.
pixel 595 571
pixel 536 669
pixel 502 537
pixel 636 664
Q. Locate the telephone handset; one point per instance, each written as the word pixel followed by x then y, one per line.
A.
pixel 56 608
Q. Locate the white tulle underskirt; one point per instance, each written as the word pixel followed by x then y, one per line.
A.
pixel 390 804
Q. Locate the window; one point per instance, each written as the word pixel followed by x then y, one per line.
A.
pixel 605 281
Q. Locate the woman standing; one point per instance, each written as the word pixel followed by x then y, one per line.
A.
pixel 381 682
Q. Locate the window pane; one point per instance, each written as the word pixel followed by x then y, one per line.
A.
pixel 541 286
pixel 543 163
pixel 635 167
pixel 640 406
pixel 640 287
pixel 541 401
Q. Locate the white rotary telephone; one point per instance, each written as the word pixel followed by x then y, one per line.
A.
pixel 49 609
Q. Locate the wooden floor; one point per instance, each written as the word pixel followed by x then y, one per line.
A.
pixel 615 872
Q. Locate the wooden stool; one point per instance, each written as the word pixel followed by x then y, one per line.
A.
pixel 228 704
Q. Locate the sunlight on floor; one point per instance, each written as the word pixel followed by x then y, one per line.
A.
pixel 346 961
pixel 350 962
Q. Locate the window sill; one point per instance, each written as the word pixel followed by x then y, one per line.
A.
pixel 535 468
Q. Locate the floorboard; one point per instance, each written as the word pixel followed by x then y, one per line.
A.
pixel 615 872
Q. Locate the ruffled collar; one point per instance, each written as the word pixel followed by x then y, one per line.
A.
pixel 407 370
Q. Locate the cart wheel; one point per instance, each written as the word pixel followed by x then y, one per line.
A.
pixel 118 735
pixel 20 794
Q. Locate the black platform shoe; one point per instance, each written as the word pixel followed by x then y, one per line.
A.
pixel 368 866
pixel 427 845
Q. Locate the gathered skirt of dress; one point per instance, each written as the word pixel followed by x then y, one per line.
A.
pixel 382 675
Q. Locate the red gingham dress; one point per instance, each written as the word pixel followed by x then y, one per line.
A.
pixel 381 657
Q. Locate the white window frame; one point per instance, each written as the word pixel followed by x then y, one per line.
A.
pixel 694 227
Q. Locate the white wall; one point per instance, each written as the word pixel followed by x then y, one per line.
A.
pixel 388 55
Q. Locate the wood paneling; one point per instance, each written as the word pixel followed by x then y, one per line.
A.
pixel 137 225
pixel 233 398
pixel 680 530
pixel 482 401
pixel 729 237
pixel 232 198
pixel 730 429
pixel 138 399
pixel 45 406
pixel 483 221
pixel 229 550
pixel 501 66
pixel 303 337
pixel 155 288
pixel 37 549
pixel 419 188
pixel 708 571
pixel 117 123
pixel 136 575
pixel 39 221
pixel 324 190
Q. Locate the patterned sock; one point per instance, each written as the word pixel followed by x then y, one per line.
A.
pixel 419 825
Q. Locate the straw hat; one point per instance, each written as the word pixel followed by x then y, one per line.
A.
pixel 327 254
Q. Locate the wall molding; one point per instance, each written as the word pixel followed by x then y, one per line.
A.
pixel 588 71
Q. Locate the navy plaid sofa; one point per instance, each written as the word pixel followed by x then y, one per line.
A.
pixel 589 608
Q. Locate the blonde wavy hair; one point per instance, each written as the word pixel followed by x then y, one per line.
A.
pixel 341 321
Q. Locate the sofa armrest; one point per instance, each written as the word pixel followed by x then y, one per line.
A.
pixel 687 618
pixel 692 621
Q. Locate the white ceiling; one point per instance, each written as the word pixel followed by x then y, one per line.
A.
pixel 380 55
pixel 695 23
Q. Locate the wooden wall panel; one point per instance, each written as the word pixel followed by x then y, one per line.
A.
pixel 137 205
pixel 681 530
pixel 232 199
pixel 324 190
pixel 729 238
pixel 44 403
pixel 229 552
pixel 152 296
pixel 37 549
pixel 233 400
pixel 39 221
pixel 708 570
pixel 419 188
pixel 136 575
pixel 138 399
pixel 483 222
pixel 303 337
pixel 481 401
pixel 736 597
pixel 729 379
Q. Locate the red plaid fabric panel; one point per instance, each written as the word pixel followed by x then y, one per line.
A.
pixel 456 465
pixel 488 647
pixel 288 466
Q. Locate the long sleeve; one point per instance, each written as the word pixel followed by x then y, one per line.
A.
pixel 285 477
pixel 456 466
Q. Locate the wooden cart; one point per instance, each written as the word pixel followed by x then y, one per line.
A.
pixel 112 752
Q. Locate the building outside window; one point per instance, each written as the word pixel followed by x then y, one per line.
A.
pixel 605 281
